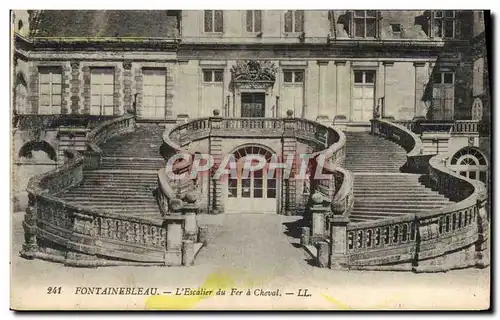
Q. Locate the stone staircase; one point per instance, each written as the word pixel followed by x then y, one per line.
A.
pixel 380 189
pixel 125 181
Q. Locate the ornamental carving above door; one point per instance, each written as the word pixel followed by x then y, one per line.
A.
pixel 254 73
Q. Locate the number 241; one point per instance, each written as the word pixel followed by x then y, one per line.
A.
pixel 54 290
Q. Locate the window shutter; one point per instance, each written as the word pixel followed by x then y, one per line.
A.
pixel 458 24
pixel 351 24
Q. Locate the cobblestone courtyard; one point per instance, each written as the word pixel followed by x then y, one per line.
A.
pixel 257 251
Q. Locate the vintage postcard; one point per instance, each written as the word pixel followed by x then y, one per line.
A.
pixel 250 160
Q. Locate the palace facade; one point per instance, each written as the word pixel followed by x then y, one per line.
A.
pixel 336 67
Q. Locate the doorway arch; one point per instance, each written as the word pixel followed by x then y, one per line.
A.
pixel 252 191
pixel 471 163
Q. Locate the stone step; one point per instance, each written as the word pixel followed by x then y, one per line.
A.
pixel 106 196
pixel 102 189
pixel 378 214
pixel 397 207
pixel 397 201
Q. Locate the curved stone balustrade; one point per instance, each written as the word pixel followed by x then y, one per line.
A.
pixel 442 239
pixel 330 141
pixel 58 231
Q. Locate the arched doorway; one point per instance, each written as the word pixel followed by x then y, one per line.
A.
pixel 471 163
pixel 252 191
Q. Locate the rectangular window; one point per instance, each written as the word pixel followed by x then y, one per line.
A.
pixel 254 20
pixel 364 77
pixel 365 24
pixel 290 76
pixel 294 21
pixel 50 90
pixel 443 78
pixel 213 76
pixel 213 20
pixel 444 24
pixel 153 105
pixel 102 91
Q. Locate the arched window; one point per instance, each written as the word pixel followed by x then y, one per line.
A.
pixel 39 151
pixel 471 163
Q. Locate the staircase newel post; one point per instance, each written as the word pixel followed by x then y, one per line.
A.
pixel 215 147
pixel 289 149
pixel 338 242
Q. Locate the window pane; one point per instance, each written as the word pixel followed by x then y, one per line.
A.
pixel 371 28
pixel 44 89
pixel 436 78
pixel 56 89
pixel 271 183
pixel 482 176
pixel 44 99
pixel 472 175
pixel 369 77
pixel 299 76
pixel 438 28
pixel 449 28
pixel 287 75
pixel 249 20
pixel 56 77
pixel 359 13
pixel 359 28
pixel 219 23
pixel 257 193
pixel 208 20
pixel 299 21
pixel 56 100
pixel 218 76
pixel 358 76
pixel 44 78
pixel 245 188
pixel 271 193
pixel 288 21
pixel 449 13
pixel 463 173
pixel 207 76
pixel 438 14
pixel 371 13
pixel 257 22
pixel 448 77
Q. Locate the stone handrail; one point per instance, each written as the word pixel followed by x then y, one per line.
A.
pixel 416 161
pixel 415 241
pixel 86 235
pixel 459 126
pixel 102 133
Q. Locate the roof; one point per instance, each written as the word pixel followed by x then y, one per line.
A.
pixel 107 23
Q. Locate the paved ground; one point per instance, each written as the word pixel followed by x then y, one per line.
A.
pixel 248 252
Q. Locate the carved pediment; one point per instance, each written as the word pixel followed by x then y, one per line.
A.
pixel 254 71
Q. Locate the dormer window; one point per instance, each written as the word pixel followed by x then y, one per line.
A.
pixel 213 21
pixel 444 24
pixel 294 21
pixel 364 24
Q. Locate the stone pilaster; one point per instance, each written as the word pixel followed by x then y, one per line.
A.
pixel 117 94
pixel 33 74
pixel 138 90
pixel 340 82
pixel 65 88
pixel 169 92
pixel 75 87
pixel 322 111
pixel 421 79
pixel 289 149
pixel 127 86
pixel 86 89
pixel 387 90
